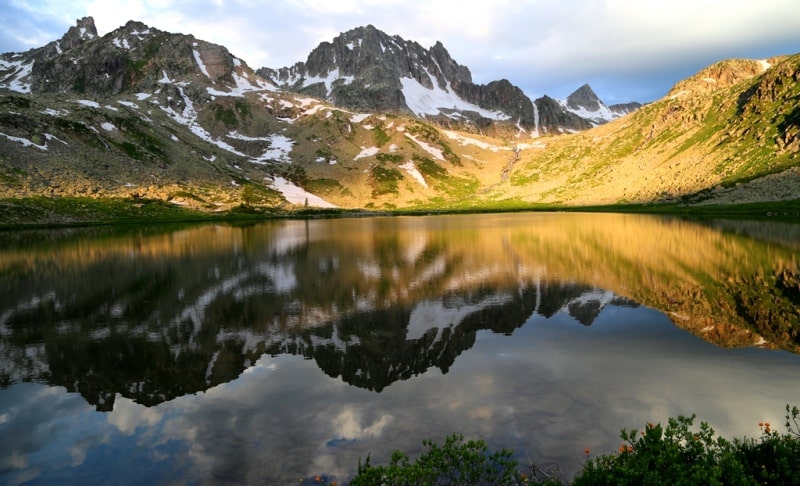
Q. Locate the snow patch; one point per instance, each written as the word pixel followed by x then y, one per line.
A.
pixel 327 80
pixel 49 137
pixel 24 141
pixel 189 119
pixel 16 80
pixel 164 79
pixel 199 60
pixel 461 139
pixel 413 172
pixel 121 44
pixel 366 152
pixel 52 112
pixel 89 103
pixel 424 101
pixel 602 114
pixel 279 149
pixel 243 85
pixel 435 152
pixel 109 127
pixel 298 195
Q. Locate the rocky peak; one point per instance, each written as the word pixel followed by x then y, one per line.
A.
pixel 83 30
pixel 132 57
pixel 584 98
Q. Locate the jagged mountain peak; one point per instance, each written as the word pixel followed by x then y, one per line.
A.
pixel 132 57
pixel 584 97
pixel 585 103
pixel 83 30
pixel 368 70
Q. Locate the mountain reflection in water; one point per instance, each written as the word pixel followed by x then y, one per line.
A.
pixel 147 316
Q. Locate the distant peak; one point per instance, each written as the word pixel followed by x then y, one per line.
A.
pixel 584 97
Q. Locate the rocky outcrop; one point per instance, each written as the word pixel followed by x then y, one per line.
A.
pixel 554 119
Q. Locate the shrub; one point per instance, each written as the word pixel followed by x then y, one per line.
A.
pixel 679 455
pixel 455 462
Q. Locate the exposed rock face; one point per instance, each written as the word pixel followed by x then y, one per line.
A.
pixel 554 119
pixel 363 68
pixel 584 98
pixel 366 69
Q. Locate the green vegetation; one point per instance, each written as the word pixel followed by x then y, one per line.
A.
pixel 13 101
pixel 325 186
pixel 384 180
pixel 324 153
pixel 66 211
pixel 226 116
pixel 455 462
pixel 255 195
pixel 431 135
pixel 774 210
pixel 673 455
pixel 394 158
pixel 678 454
pixel 381 138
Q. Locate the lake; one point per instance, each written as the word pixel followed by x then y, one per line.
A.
pixel 275 352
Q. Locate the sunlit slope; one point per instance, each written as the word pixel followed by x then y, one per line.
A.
pixel 729 134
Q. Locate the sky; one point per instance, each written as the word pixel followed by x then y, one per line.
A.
pixel 626 50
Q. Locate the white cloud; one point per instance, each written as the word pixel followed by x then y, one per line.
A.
pixel 127 415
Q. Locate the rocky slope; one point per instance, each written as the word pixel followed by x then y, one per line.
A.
pixel 726 135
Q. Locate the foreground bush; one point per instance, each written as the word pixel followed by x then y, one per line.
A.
pixel 672 455
pixel 679 455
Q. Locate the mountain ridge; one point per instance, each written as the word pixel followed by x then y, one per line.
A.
pixel 141 114
pixel 367 69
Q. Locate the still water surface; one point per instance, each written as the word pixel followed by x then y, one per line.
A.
pixel 275 352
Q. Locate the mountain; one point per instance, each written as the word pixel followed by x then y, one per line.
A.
pixel 366 69
pixel 585 103
pixel 146 123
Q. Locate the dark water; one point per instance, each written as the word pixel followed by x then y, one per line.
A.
pixel 280 351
